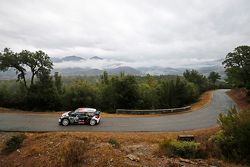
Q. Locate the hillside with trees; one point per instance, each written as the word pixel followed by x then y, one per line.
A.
pixel 42 90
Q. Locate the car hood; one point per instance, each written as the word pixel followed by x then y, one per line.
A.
pixel 65 114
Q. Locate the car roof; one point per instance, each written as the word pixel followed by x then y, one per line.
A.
pixel 85 110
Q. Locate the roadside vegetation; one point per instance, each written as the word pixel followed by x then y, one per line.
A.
pixel 72 153
pixel 13 143
pixel 184 149
pixel 233 138
pixel 135 149
pixel 114 143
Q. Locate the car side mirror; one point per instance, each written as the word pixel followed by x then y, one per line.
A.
pixel 72 115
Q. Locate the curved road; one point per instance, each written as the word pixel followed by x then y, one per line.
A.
pixel 202 118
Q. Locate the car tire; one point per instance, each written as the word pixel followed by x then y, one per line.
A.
pixel 92 122
pixel 65 122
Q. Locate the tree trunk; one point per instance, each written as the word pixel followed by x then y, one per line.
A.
pixel 24 80
pixel 32 79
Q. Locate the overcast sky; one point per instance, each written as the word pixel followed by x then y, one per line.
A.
pixel 131 30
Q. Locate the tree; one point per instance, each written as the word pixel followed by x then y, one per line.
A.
pixel 213 77
pixel 37 62
pixel 237 64
pixel 43 94
pixel 150 80
pixel 80 94
pixel 125 89
pixel 196 78
pixel 58 82
pixel 119 92
pixel 105 78
pixel 9 59
pixel 147 96
pixel 176 93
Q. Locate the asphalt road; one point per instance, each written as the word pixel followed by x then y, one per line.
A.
pixel 202 118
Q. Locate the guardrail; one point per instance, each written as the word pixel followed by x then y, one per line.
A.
pixel 154 111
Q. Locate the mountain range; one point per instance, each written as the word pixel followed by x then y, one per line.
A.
pixel 95 65
pixel 116 68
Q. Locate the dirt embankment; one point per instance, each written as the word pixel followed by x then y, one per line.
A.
pixel 133 149
pixel 240 98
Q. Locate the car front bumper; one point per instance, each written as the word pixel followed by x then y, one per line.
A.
pixel 60 121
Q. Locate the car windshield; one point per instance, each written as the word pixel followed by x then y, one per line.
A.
pixel 97 112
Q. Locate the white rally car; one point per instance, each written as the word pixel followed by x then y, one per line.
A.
pixel 88 116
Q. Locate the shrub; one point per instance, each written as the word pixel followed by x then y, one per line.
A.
pixel 181 148
pixel 72 153
pixel 233 139
pixel 13 143
pixel 114 143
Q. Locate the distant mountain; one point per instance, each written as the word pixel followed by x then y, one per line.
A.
pixel 67 58
pixel 78 71
pixel 124 69
pixel 96 58
pixel 56 60
pixel 93 72
pixel 219 69
pixel 217 62
pixel 72 58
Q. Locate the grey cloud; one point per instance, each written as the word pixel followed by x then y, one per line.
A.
pixel 131 30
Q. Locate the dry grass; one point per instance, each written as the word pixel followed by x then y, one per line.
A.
pixel 72 153
pixel 48 149
pixel 203 101
pixel 240 98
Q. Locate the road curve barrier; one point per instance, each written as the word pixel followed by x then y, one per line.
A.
pixel 153 111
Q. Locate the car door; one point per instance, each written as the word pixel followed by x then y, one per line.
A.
pixel 73 117
pixel 82 118
pixel 89 116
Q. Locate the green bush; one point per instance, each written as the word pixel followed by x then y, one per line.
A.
pixel 181 148
pixel 114 143
pixel 72 153
pixel 233 139
pixel 13 143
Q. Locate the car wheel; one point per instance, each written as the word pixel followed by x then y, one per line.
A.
pixel 92 122
pixel 65 122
